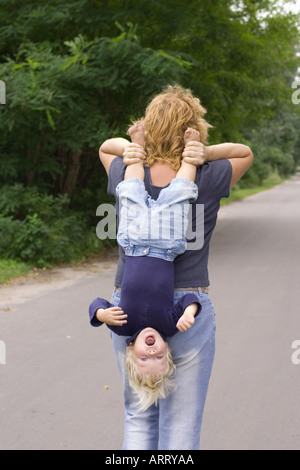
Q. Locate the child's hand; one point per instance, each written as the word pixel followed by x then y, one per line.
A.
pixel 187 320
pixel 111 316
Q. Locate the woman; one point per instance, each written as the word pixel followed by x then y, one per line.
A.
pixel 176 422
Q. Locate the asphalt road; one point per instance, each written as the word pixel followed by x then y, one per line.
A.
pixel 60 387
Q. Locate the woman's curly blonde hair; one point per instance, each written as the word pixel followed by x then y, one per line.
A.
pixel 166 119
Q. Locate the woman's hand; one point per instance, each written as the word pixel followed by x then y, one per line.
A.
pixel 133 153
pixel 195 153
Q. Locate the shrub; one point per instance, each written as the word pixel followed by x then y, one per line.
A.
pixel 42 228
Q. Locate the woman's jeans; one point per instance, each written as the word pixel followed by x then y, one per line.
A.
pixel 174 424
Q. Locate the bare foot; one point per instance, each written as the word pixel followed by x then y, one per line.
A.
pixel 191 135
pixel 137 134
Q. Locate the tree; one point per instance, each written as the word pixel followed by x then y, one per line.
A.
pixel 77 72
pixel 61 106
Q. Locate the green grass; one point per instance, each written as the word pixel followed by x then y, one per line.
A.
pixel 10 269
pixel 240 193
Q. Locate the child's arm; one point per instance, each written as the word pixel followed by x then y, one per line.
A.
pixel 101 311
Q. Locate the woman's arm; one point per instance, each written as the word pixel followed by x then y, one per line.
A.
pixel 113 148
pixel 239 155
pixel 227 150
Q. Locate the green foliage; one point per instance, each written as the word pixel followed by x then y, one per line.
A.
pixel 78 72
pixel 41 228
pixel 62 106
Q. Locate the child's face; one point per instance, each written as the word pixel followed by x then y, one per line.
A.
pixel 150 352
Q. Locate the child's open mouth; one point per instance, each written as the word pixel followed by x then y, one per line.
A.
pixel 150 340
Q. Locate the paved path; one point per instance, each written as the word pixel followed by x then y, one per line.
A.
pixel 60 387
pixel 253 401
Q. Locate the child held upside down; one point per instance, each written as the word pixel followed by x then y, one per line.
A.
pixel 147 313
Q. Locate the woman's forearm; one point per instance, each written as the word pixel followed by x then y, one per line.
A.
pixel 227 151
pixel 114 146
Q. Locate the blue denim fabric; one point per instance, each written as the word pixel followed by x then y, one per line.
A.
pixel 157 228
pixel 175 424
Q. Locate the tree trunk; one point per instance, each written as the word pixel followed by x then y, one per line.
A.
pixel 72 174
pixel 33 162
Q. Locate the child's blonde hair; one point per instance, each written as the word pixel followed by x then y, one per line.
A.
pixel 166 119
pixel 150 388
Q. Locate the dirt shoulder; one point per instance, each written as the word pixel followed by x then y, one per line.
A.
pixel 38 281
